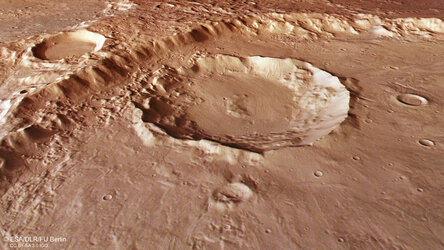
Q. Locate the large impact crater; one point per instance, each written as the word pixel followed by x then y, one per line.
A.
pixel 254 103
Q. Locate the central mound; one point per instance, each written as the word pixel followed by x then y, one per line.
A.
pixel 254 103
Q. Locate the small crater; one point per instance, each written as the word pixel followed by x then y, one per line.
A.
pixel 68 44
pixel 412 99
pixel 233 193
pixel 318 173
pixel 427 142
pixel 107 197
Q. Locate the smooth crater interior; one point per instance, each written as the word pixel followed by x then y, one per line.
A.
pixel 68 44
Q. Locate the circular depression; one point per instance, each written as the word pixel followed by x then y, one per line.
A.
pixel 68 44
pixel 254 103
